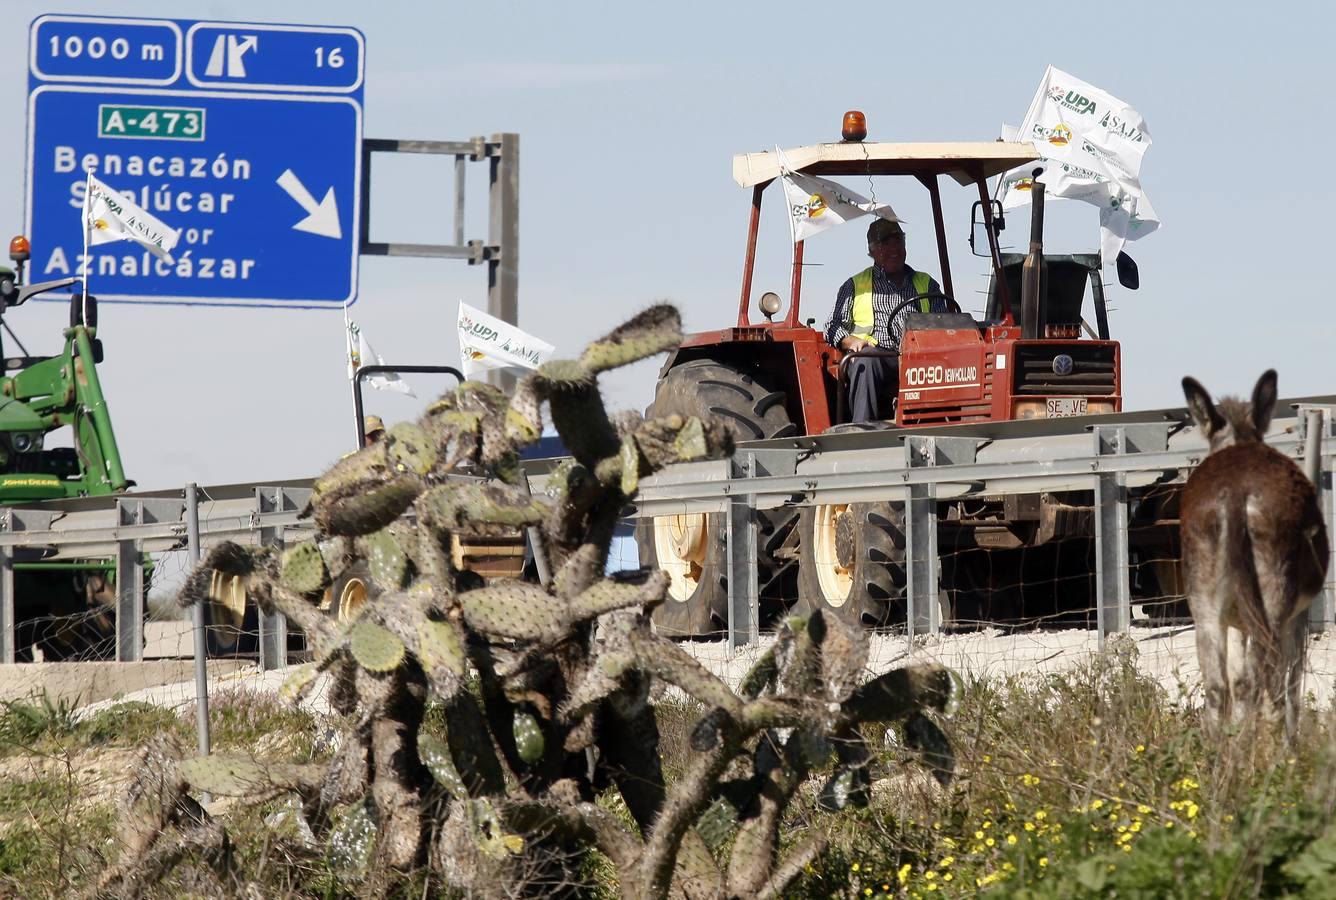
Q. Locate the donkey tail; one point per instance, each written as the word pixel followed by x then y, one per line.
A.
pixel 1237 575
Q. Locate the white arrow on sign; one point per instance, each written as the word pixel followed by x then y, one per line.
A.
pixel 321 218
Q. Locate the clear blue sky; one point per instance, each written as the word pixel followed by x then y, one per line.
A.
pixel 629 115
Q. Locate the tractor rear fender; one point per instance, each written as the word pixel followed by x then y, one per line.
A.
pixel 793 360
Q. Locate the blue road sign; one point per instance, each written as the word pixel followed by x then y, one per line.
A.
pixel 246 137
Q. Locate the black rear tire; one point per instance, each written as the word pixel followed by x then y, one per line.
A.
pixel 692 548
pixel 231 619
pixel 351 591
pixel 852 562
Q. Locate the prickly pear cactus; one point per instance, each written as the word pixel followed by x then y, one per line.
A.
pixel 546 688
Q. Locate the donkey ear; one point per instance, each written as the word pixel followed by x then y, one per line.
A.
pixel 1201 408
pixel 1264 401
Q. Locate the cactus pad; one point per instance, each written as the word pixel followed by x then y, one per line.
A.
pixel 374 648
pixel 512 610
pixel 655 330
pixel 407 449
pixel 717 822
pixel 563 373
pixel 352 839
pixel 528 737
pixel 436 757
pixel 298 683
pixel 369 509
pixel 439 648
pixel 237 776
pixel 386 561
pixel 630 463
pixel 304 568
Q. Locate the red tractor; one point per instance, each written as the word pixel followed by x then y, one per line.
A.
pixel 1026 358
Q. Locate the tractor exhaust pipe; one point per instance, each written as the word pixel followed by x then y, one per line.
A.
pixel 1034 273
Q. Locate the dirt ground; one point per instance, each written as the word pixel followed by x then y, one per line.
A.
pixel 1167 654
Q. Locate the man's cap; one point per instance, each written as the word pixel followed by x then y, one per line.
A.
pixel 373 424
pixel 881 229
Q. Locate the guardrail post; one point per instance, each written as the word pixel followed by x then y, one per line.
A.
pixel 201 645
pixel 129 585
pixel 923 611
pixel 743 575
pixel 1317 425
pixel 274 626
pixel 7 637
pixel 1113 590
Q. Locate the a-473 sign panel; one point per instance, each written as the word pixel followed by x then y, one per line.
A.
pixel 246 137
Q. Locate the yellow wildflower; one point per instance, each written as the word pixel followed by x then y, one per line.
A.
pixel 1043 862
pixel 990 842
pixel 946 862
pixel 1029 826
pixel 1141 748
pixel 903 874
pixel 1040 814
pixel 1011 840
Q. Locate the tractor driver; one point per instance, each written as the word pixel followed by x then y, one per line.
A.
pixel 860 319
pixel 373 430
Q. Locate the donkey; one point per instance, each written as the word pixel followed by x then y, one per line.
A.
pixel 1254 555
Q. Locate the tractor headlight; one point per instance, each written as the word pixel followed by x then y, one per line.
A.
pixel 26 441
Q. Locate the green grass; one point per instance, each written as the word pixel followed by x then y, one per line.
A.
pixel 1093 784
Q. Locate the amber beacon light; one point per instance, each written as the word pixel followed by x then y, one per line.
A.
pixel 19 251
pixel 855 126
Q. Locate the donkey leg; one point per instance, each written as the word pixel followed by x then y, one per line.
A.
pixel 1211 650
pixel 1242 673
pixel 1294 651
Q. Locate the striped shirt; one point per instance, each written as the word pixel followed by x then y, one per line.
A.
pixel 886 294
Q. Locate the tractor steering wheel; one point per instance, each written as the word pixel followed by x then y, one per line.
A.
pixel 895 311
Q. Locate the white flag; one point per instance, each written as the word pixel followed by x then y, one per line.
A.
pixel 360 353
pixel 108 217
pixel 816 204
pixel 487 343
pixel 1091 145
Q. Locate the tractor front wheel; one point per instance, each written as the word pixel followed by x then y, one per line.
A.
pixel 690 548
pixel 852 562
pixel 350 592
pixel 231 623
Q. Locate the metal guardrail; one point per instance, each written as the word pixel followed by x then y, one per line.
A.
pixel 919 468
pixel 127 527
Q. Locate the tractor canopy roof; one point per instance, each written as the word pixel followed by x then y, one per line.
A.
pixel 965 161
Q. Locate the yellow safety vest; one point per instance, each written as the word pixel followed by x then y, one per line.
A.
pixel 862 311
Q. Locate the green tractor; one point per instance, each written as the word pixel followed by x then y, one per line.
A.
pixel 65 607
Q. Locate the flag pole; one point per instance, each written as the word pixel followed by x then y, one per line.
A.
pixel 352 371
pixel 87 261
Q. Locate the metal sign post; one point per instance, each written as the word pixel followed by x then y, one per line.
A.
pixel 246 137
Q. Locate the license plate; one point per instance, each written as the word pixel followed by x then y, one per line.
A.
pixel 1062 407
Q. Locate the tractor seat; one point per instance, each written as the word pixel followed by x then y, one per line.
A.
pixel 921 321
